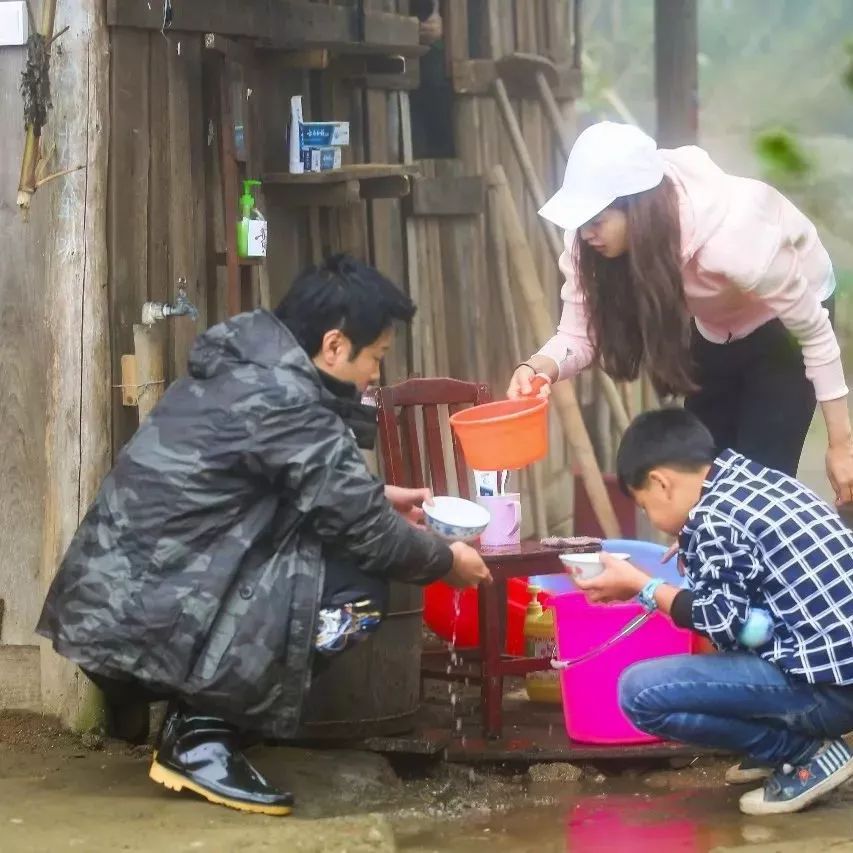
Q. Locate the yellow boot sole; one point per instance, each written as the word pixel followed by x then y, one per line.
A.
pixel 175 782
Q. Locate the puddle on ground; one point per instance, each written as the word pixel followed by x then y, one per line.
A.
pixel 693 821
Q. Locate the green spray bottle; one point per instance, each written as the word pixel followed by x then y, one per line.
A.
pixel 247 211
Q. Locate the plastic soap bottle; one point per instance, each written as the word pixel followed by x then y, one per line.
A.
pixel 539 642
pixel 251 226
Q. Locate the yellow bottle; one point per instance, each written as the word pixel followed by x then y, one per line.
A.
pixel 539 642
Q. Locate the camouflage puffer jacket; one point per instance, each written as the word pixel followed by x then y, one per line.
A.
pixel 198 569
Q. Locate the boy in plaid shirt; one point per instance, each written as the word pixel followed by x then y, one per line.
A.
pixel 750 539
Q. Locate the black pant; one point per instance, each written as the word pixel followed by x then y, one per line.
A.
pixel 754 396
pixel 344 582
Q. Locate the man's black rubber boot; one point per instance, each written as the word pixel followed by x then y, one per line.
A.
pixel 201 754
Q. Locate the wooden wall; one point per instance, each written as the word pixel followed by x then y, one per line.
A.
pixel 54 378
pixel 166 216
pixel 137 109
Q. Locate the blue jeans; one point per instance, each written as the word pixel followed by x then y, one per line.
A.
pixel 735 701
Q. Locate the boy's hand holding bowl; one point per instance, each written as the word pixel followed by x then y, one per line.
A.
pixel 605 577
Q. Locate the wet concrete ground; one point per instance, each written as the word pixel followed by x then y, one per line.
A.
pixel 58 792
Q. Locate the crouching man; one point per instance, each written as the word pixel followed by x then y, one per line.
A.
pixel 240 534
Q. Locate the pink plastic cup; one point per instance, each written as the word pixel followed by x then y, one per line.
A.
pixel 505 527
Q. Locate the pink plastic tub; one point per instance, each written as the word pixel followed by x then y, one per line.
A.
pixel 590 698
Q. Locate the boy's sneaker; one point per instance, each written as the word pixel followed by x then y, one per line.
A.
pixel 791 789
pixel 746 772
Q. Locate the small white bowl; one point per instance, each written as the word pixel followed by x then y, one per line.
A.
pixel 587 566
pixel 456 519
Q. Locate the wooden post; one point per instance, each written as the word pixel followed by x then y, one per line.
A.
pixel 676 72
pixel 150 345
pixel 563 395
pixel 71 233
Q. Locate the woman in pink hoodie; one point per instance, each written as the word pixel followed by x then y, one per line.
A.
pixel 716 285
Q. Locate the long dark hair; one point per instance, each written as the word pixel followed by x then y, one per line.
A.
pixel 637 311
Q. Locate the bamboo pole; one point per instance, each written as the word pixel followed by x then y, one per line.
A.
pixel 498 249
pixel 534 185
pixel 555 243
pixel 563 394
pixel 29 164
pixel 552 110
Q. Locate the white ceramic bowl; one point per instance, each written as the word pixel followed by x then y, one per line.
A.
pixel 587 566
pixel 456 519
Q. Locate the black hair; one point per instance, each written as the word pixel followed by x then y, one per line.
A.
pixel 343 294
pixel 671 438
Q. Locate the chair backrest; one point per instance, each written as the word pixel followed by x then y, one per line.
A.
pixel 399 432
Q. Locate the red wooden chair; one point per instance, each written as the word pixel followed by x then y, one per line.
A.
pixel 406 411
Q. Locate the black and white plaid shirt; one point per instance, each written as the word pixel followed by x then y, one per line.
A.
pixel 760 539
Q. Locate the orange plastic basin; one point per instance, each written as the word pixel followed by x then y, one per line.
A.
pixel 503 436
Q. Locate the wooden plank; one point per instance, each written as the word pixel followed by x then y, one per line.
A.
pixel 214 218
pixel 20 678
pixel 359 66
pixel 556 30
pixel 473 76
pixel 391 188
pixel 129 381
pixel 150 351
pixel 454 15
pixel 127 205
pixel 412 445
pixel 354 172
pixel 293 22
pixel 186 193
pixel 415 353
pixel 495 12
pixel 454 327
pixel 435 451
pixel 440 343
pixel 159 172
pixel 25 353
pixel 384 216
pixel 525 26
pixel 471 239
pixel 236 51
pixel 384 28
pixel 230 190
pixel 519 71
pixel 409 80
pixel 276 23
pixel 569 86
pixel 317 195
pixel 463 195
pixel 74 294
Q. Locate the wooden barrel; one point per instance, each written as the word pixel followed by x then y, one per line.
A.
pixel 372 689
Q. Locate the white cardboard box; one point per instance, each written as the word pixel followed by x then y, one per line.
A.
pixel 14 23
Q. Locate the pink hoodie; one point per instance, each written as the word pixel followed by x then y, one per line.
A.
pixel 748 256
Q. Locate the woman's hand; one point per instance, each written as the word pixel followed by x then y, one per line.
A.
pixel 839 469
pixel 620 581
pixel 522 383
pixel 409 502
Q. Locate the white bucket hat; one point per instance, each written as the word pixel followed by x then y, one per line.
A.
pixel 607 161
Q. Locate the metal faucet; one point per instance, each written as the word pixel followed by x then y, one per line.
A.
pixel 154 311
